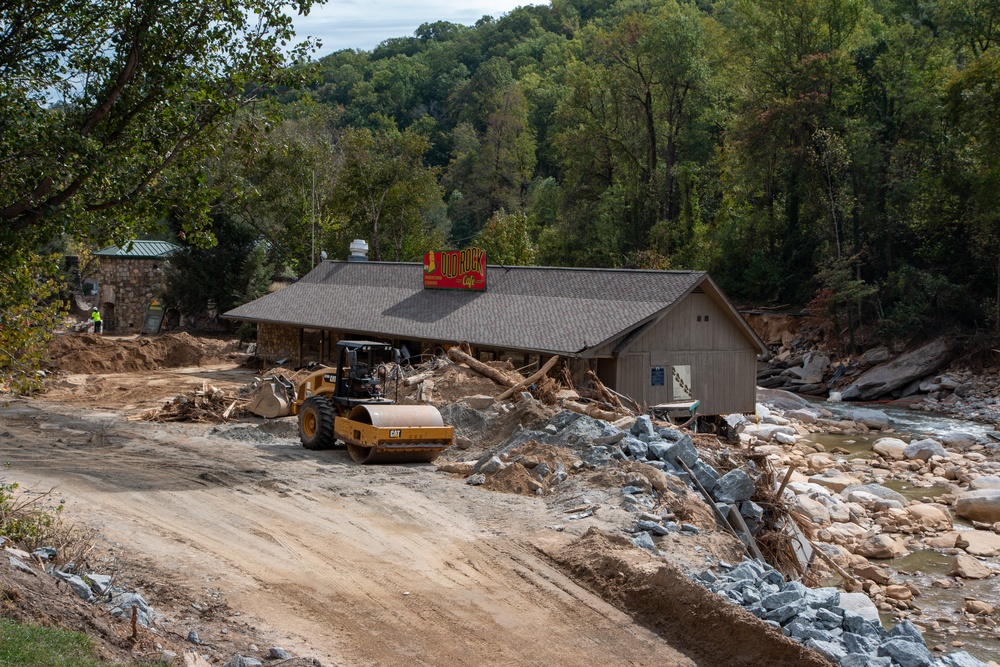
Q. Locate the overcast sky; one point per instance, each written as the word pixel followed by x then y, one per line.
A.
pixel 362 24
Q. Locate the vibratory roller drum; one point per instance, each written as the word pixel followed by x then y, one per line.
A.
pixel 394 433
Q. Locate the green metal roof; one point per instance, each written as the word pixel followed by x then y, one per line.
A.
pixel 153 249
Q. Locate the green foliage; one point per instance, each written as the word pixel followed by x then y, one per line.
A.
pixel 506 239
pixel 141 92
pixel 924 303
pixel 25 645
pixel 231 272
pixel 29 311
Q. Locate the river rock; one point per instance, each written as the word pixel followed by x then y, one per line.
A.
pixel 898 592
pixel 835 480
pixel 961 659
pixel 781 399
pixel 979 543
pixel 881 547
pixel 876 490
pixel 958 439
pixel 803 415
pixel 968 567
pixel 982 505
pixel 942 541
pixel 873 419
pixel 814 510
pixel 929 516
pixel 923 450
pixel 874 572
pixel 890 448
pixel 985 482
pixel 884 379
pixel 978 607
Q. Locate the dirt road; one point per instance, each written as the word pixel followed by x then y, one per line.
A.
pixel 352 565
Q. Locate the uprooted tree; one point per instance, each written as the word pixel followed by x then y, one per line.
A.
pixel 107 106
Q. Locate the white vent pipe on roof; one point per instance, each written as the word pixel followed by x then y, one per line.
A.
pixel 359 251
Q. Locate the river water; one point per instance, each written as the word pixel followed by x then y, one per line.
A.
pixel 939 606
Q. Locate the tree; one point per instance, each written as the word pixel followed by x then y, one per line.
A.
pixel 506 239
pixel 384 191
pixel 107 109
pixel 100 98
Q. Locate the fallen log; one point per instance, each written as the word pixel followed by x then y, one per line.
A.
pixel 461 357
pixel 535 377
pixel 591 410
pixel 418 378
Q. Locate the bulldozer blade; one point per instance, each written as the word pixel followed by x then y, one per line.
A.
pixel 270 400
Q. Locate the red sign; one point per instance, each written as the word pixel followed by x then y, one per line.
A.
pixel 455 269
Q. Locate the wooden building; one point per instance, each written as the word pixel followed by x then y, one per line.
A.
pixel 655 336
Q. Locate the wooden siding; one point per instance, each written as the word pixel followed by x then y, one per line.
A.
pixel 721 357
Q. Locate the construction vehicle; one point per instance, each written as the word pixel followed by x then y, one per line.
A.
pixel 350 403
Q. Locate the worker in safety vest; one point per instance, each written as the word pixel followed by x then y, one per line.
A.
pixel 95 315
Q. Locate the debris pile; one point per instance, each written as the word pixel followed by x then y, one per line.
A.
pixel 210 405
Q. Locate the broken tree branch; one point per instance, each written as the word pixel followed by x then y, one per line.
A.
pixel 461 357
pixel 535 377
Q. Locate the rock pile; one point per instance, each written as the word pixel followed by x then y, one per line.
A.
pixel 842 627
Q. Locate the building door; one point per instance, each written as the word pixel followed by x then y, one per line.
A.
pixel 108 316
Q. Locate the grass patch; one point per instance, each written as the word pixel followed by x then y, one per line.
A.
pixel 24 645
pixel 34 646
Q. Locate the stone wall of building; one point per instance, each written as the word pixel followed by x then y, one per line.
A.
pixel 128 285
pixel 277 342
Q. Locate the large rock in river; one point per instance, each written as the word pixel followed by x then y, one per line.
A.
pixel 982 505
pixel 884 379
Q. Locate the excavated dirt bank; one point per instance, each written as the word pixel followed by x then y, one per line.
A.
pixel 687 616
pixel 90 353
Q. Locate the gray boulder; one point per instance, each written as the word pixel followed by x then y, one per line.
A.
pixel 958 439
pixel 733 487
pixel 907 653
pixel 643 426
pixel 80 587
pixel 468 422
pixel 830 650
pixel 683 449
pixel 635 447
pixel 961 659
pixel 243 661
pixel 901 371
pixel 923 450
pixel 873 419
pixel 706 475
pixel 781 399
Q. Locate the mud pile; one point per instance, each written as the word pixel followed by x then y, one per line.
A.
pixel 89 353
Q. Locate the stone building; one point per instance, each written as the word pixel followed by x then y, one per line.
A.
pixel 656 336
pixel 130 279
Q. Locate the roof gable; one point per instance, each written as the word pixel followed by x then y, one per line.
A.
pixel 141 249
pixel 532 308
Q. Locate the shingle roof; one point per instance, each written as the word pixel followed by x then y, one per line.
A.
pixel 157 249
pixel 529 308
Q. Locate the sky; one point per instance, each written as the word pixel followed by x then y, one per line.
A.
pixel 362 24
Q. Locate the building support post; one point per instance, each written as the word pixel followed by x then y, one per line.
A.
pixel 302 336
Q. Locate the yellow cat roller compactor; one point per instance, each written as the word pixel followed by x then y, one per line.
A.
pixel 349 403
